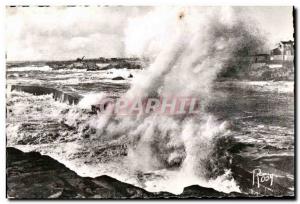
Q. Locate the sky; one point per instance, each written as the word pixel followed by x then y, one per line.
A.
pixel 63 33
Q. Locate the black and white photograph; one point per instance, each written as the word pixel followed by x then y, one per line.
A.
pixel 150 102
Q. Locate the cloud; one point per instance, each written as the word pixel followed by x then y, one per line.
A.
pixel 61 33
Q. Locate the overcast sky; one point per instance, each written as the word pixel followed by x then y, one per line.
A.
pixel 61 33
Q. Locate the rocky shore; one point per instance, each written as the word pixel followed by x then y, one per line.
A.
pixel 35 176
pixel 97 64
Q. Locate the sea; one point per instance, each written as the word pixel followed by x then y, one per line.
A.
pixel 255 155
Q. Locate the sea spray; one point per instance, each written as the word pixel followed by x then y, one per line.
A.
pixel 187 48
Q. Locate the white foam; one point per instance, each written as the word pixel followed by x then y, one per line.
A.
pixel 91 99
pixel 29 68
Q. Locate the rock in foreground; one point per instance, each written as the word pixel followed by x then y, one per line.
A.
pixel 35 176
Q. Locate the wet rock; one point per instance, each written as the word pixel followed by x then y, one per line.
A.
pixel 122 65
pixel 118 78
pixel 59 95
pixel 35 176
pixel 91 66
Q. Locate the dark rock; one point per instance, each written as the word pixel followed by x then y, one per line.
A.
pixel 118 78
pixel 122 65
pixel 91 64
pixel 35 176
pixel 59 95
pixel 196 191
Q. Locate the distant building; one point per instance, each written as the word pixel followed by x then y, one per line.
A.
pixel 283 52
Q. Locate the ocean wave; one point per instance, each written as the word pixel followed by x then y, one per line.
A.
pixel 63 132
pixel 29 68
pixel 261 86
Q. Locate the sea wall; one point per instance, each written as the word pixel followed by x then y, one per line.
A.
pixel 57 94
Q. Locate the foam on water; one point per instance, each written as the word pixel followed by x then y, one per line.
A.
pixel 80 155
pixel 263 86
pixel 29 68
pixel 162 153
pixel 185 144
pixel 91 99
